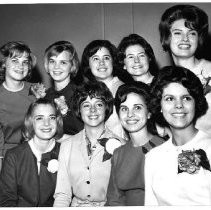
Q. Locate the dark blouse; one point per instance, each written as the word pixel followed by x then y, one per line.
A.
pixel 126 184
pixel 71 123
pixel 20 183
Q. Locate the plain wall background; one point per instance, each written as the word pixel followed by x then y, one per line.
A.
pixel 39 25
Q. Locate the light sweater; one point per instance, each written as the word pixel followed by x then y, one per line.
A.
pixel 163 184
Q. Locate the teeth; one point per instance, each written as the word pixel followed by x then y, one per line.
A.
pixel 184 46
pixel 131 122
pixel 102 69
pixel 179 114
pixel 93 117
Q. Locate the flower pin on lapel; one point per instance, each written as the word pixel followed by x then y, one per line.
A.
pixel 109 144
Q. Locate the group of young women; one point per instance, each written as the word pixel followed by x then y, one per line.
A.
pixel 113 131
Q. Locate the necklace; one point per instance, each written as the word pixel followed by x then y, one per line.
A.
pixel 90 148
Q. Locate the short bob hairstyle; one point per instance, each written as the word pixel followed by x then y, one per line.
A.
pixel 183 76
pixel 135 39
pixel 139 88
pixel 15 49
pixel 195 19
pixel 58 47
pixel 93 90
pixel 89 51
pixel 28 129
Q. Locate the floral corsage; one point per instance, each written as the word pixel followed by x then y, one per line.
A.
pixel 38 90
pixel 62 105
pixel 50 160
pixel 190 161
pixel 109 144
pixel 205 82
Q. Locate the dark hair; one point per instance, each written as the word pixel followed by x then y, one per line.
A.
pixel 139 88
pixel 183 76
pixel 93 90
pixel 58 47
pixel 28 130
pixel 195 18
pixel 135 39
pixel 85 71
pixel 15 49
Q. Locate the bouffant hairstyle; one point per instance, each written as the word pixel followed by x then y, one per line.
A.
pixel 139 88
pixel 89 51
pixel 195 18
pixel 15 49
pixel 93 90
pixel 183 76
pixel 135 39
pixel 58 47
pixel 28 130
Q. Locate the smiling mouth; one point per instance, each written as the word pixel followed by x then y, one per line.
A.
pixel 184 46
pixel 57 72
pixel 131 122
pixel 179 114
pixel 102 69
pixel 94 117
pixel 47 130
pixel 19 71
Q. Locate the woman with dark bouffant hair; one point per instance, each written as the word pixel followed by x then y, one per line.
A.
pixel 183 32
pixel 136 59
pixel 28 176
pixel 178 171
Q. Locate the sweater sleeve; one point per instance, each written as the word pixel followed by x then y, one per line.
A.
pixel 115 196
pixel 63 192
pixel 150 199
pixel 8 182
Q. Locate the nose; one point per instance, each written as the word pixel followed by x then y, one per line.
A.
pixel 130 113
pixel 179 104
pixel 136 59
pixel 57 65
pixel 102 61
pixel 93 108
pixel 46 121
pixel 185 37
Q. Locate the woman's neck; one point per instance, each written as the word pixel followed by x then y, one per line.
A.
pixel 107 81
pixel 140 138
pixel 94 133
pixel 59 85
pixel 13 85
pixel 145 78
pixel 41 145
pixel 183 136
pixel 188 63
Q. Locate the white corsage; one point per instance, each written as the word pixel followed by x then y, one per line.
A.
pixel 38 90
pixel 109 144
pixel 53 165
pixel 205 80
pixel 61 104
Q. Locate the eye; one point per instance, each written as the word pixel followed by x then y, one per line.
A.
pixel 138 107
pixel 107 58
pixel 85 105
pixel 64 62
pixel 100 105
pixel 53 117
pixel 193 33
pixel 176 33
pixel 14 60
pixel 187 98
pixel 123 108
pixel 95 58
pixel 168 98
pixel 26 63
pixel 38 118
pixel 130 57
pixel 51 61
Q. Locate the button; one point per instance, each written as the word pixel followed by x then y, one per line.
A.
pixel 88 167
pixel 88 182
pixel 88 196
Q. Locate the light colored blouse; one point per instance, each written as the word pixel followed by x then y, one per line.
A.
pixel 163 184
pixel 78 176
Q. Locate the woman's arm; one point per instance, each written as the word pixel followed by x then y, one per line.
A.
pixel 8 182
pixel 150 199
pixel 115 196
pixel 63 192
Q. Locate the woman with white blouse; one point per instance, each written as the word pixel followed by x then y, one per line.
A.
pixel 178 171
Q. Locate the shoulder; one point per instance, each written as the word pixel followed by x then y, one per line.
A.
pixel 206 66
pixel 110 134
pixel 18 151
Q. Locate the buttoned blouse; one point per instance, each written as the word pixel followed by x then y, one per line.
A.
pixel 78 176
